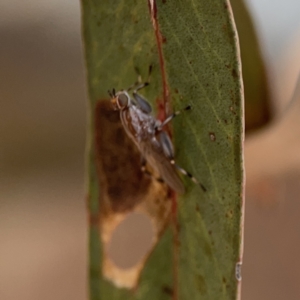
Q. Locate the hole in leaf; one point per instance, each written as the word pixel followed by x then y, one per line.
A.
pixel 131 241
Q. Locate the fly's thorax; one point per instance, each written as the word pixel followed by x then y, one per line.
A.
pixel 138 125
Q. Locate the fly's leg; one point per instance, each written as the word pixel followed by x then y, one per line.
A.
pixel 146 172
pixel 171 117
pixel 186 173
pixel 133 85
pixel 142 103
pixel 166 144
pixel 139 84
pixel 168 150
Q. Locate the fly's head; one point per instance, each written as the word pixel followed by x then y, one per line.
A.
pixel 120 100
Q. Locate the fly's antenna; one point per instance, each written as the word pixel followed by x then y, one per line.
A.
pixel 112 93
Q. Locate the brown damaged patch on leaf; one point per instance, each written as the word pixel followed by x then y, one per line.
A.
pixel 125 190
pixel 118 162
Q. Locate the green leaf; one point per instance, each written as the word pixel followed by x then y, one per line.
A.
pixel 193 49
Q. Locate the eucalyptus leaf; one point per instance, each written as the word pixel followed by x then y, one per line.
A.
pixel 192 46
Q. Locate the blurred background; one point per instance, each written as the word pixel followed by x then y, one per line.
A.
pixel 43 222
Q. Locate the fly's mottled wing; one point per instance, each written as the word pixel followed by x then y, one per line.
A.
pixel 155 157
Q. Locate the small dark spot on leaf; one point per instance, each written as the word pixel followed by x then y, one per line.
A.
pixel 176 91
pixel 167 290
pixel 224 280
pixel 197 208
pixel 209 232
pixel 225 121
pixel 163 39
pixel 234 73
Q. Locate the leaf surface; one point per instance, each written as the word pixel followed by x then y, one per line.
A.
pixel 192 46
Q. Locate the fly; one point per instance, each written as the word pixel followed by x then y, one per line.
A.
pixel 149 135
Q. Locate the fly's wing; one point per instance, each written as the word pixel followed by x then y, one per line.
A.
pixel 156 158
